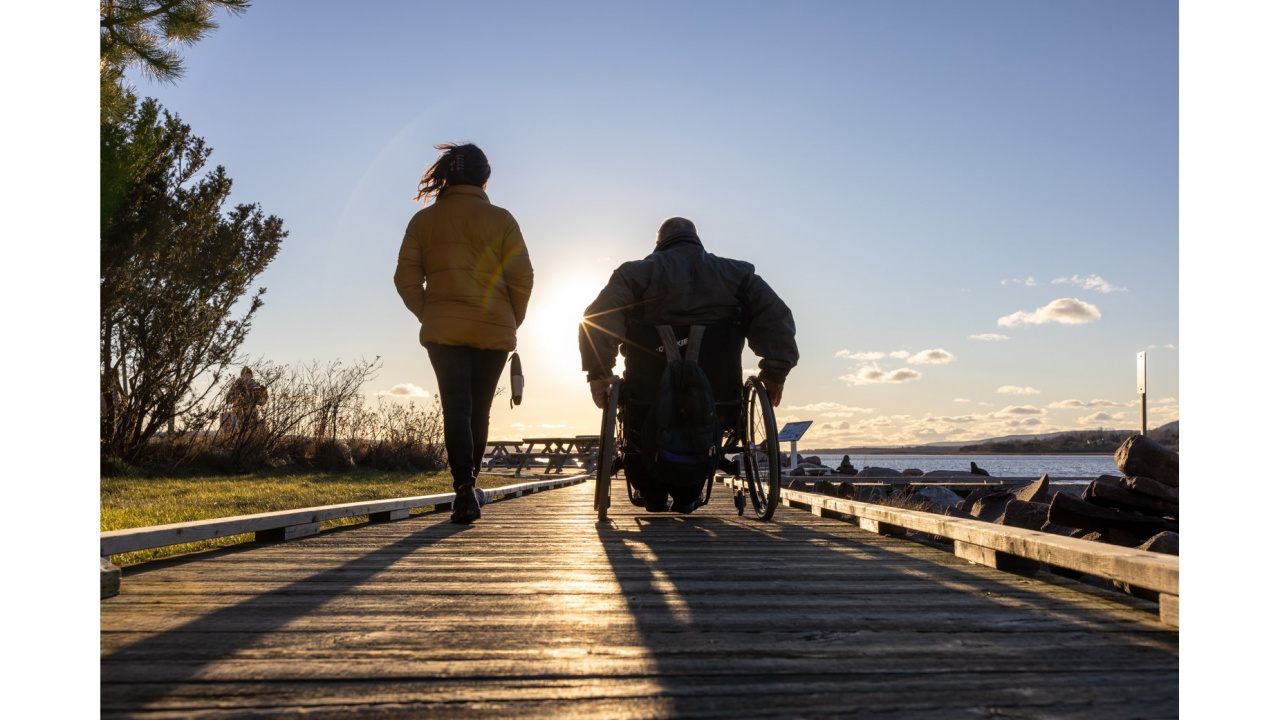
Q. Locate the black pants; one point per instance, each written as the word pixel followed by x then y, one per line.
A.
pixel 467 378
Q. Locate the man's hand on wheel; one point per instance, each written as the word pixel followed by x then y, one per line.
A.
pixel 600 392
pixel 774 389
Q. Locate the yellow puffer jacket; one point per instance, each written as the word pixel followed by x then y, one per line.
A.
pixel 475 267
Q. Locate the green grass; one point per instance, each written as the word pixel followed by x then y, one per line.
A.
pixel 130 502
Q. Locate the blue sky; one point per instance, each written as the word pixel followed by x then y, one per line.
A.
pixel 903 174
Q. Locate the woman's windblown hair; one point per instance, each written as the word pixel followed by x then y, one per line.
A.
pixel 463 164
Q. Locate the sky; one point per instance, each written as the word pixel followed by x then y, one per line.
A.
pixel 970 208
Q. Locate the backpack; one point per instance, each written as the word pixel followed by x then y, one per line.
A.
pixel 682 433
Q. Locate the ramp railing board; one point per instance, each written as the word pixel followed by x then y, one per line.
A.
pixel 1009 548
pixel 287 524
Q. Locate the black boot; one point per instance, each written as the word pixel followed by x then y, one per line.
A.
pixel 466 505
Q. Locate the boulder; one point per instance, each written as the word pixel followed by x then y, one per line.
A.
pixel 878 472
pixel 870 494
pixel 846 467
pixel 973 497
pixel 956 512
pixel 1165 542
pixel 1147 486
pixel 825 487
pixel 948 473
pixel 1140 456
pixel 913 472
pixel 797 471
pixel 1111 491
pixel 1022 514
pixel 812 460
pixel 973 468
pixel 1036 492
pixel 1060 529
pixel 797 484
pixel 938 498
pixel 990 507
pixel 847 491
pixel 1067 510
pixel 813 469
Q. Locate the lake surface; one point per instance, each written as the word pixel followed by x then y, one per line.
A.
pixel 1079 467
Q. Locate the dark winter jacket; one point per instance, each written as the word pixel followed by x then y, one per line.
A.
pixel 681 284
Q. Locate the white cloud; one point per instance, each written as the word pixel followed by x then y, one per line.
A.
pixel 989 336
pixel 937 356
pixel 1029 282
pixel 1092 282
pixel 851 355
pixel 1067 311
pixel 962 399
pixel 834 426
pixel 408 390
pixel 872 355
pixel 1101 417
pixel 871 375
pixel 832 409
pixel 1015 390
pixel 1019 410
pixel 1169 346
pixel 1073 403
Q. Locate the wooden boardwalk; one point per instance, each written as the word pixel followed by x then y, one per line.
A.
pixel 538 611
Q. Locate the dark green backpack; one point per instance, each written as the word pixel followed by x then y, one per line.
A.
pixel 682 433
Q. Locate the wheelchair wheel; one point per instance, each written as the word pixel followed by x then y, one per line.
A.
pixel 605 454
pixel 760 466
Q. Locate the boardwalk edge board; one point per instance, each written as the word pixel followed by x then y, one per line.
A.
pixel 1008 548
pixel 289 524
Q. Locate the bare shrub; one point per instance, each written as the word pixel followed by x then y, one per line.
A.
pixel 312 416
pixel 399 436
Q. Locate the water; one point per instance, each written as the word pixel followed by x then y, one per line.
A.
pixel 1063 466
pixel 1066 471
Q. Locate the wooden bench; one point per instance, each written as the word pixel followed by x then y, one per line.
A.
pixel 558 452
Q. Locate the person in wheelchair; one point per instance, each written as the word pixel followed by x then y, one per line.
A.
pixel 680 284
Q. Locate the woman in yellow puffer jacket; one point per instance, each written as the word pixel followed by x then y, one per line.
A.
pixel 464 272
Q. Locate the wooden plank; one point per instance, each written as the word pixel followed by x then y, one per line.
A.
pixel 109 579
pixel 1153 571
pixel 995 559
pixel 1169 609
pixel 120 541
pixel 880 528
pixel 288 532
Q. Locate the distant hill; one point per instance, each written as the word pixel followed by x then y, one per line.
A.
pixel 1065 442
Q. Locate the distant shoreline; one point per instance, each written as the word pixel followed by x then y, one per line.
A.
pixel 920 451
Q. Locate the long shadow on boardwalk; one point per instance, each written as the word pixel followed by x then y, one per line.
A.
pixel 268 611
pixel 839 622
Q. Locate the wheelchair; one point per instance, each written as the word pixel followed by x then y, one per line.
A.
pixel 748 451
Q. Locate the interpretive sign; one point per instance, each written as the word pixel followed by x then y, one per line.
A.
pixel 792 431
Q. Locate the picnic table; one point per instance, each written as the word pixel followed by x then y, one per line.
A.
pixel 578 450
